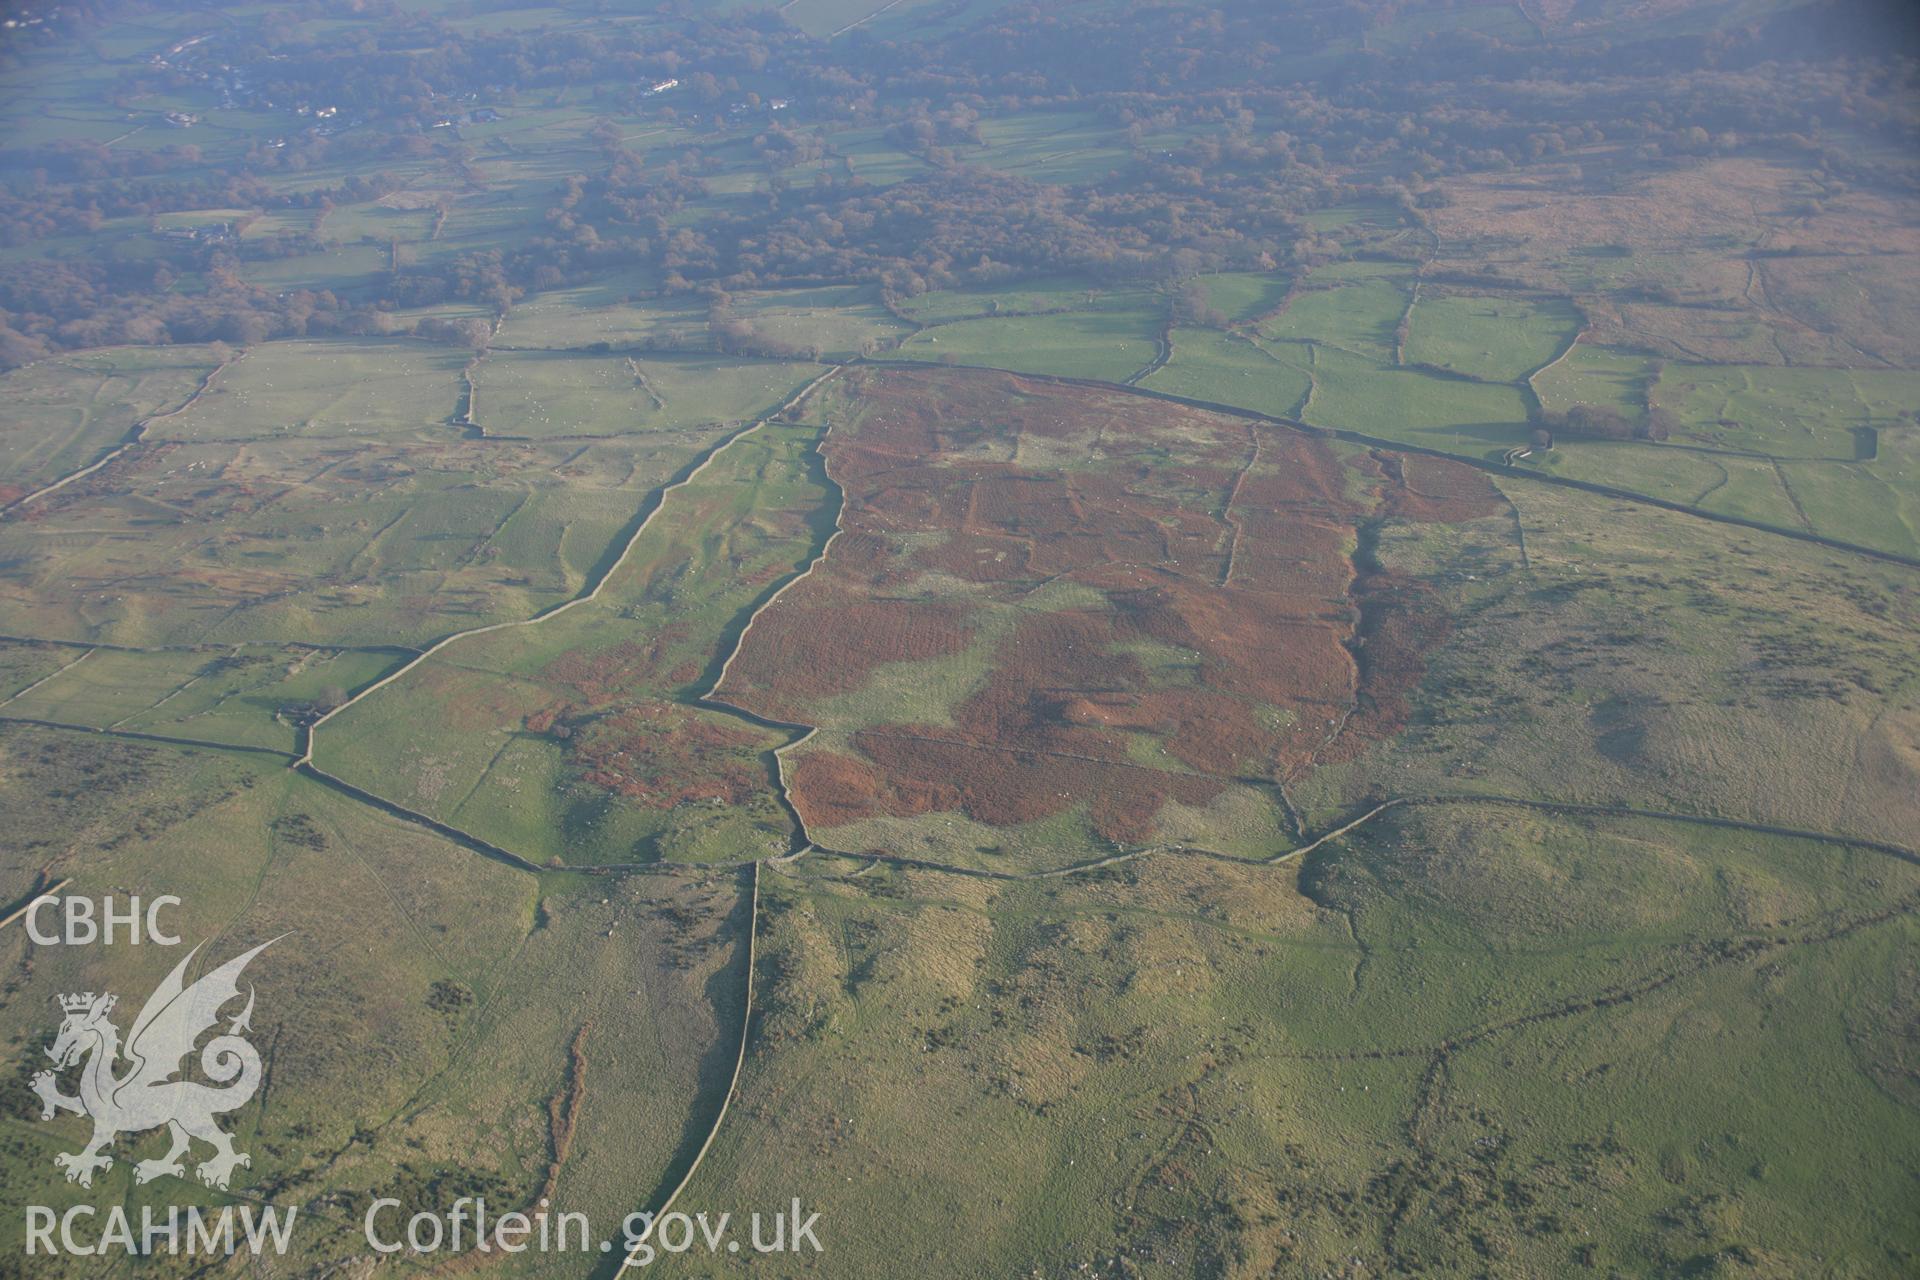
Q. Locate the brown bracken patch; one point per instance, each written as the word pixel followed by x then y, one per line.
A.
pixel 1215 630
pixel 1437 489
pixel 661 754
pixel 832 643
pixel 597 676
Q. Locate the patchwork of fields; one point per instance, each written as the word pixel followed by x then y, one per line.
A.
pixel 1036 678
pixel 1033 697
pixel 1150 677
pixel 364 494
pixel 578 737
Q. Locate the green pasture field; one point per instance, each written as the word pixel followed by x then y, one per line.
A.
pixel 1338 332
pixel 440 538
pixel 1108 345
pixel 422 171
pixel 405 318
pixel 876 161
pixel 1496 21
pixel 830 17
pixel 1757 489
pixel 1863 503
pixel 1825 450
pixel 918 21
pixel 1696 478
pixel 520 18
pixel 837 322
pixel 1873 504
pixel 1787 412
pixel 1353 306
pixel 552 394
pixel 1356 394
pixel 326 389
pixel 378 223
pixel 1059 293
pixel 1054 147
pixel 74 121
pixel 1359 220
pixel 68 411
pixel 116 240
pixel 244 696
pixel 502 216
pixel 346 268
pixel 1233 368
pixel 1243 295
pixel 204 218
pixel 595 313
pixel 1600 376
pixel 1500 339
pixel 274 223
pixel 735 183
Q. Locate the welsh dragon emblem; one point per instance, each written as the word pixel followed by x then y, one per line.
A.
pixel 146 1096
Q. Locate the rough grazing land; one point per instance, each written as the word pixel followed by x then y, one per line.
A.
pixel 575 736
pixel 1152 605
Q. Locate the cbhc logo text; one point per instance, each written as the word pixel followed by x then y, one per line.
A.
pixel 76 922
